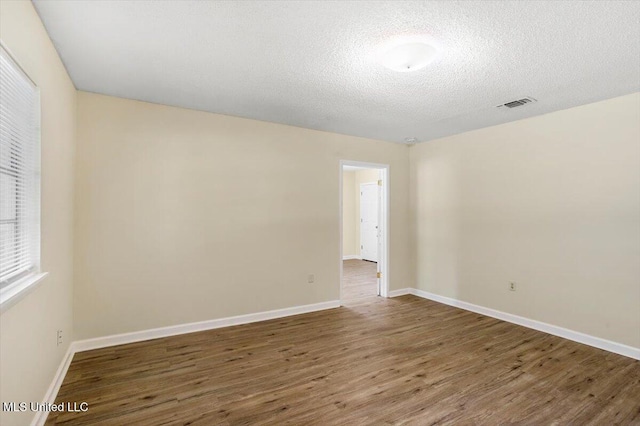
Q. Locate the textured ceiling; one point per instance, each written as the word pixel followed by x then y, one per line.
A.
pixel 311 63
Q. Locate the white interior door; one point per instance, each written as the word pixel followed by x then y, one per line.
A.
pixel 369 212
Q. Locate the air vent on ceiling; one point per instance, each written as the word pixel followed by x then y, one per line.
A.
pixel 411 141
pixel 517 103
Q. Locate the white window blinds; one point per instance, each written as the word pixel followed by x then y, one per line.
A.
pixel 19 173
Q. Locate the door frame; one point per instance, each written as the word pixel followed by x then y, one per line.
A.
pixel 383 260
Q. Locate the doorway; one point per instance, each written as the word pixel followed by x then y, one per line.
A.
pixel 363 230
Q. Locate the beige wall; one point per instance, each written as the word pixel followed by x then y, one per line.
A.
pixel 188 216
pixel 552 203
pixel 29 356
pixel 349 204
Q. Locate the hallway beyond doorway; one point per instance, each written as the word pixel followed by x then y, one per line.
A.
pixel 359 279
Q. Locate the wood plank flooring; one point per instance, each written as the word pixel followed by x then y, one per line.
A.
pixel 404 361
pixel 359 279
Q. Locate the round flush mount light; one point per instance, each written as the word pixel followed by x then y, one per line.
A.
pixel 408 56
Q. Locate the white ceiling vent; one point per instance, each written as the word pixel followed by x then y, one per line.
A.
pixel 517 103
pixel 411 141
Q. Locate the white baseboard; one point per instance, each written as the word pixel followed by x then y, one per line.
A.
pixel 41 416
pixel 351 257
pixel 155 333
pixel 139 336
pixel 399 292
pixel 576 336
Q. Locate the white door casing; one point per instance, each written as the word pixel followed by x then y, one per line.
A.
pixel 383 253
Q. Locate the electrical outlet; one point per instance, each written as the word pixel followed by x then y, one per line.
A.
pixel 311 278
pixel 59 337
pixel 512 286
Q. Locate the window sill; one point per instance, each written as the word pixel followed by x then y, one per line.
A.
pixel 16 291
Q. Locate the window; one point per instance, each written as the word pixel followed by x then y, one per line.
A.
pixel 19 180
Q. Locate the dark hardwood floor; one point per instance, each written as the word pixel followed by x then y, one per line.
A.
pixel 358 279
pixel 382 361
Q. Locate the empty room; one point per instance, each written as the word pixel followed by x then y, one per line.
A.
pixel 319 212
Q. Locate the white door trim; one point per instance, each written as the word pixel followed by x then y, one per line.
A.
pixel 383 261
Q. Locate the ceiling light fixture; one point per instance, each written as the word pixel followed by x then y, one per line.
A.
pixel 408 56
